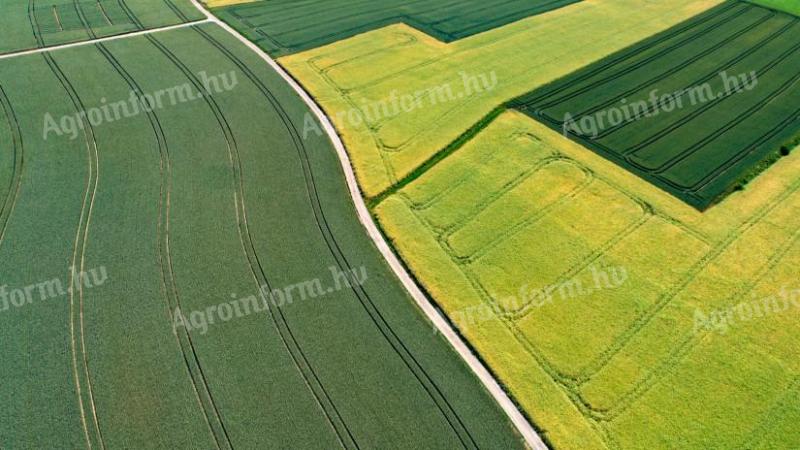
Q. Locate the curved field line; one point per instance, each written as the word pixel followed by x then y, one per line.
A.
pixel 134 20
pixel 85 238
pixel 176 10
pixel 545 365
pixel 83 20
pixel 35 28
pixel 301 361
pixel 322 224
pixel 497 195
pixel 81 236
pixel 104 13
pixel 745 152
pixel 169 283
pixel 15 184
pixel 468 175
pixel 486 378
pixel 596 254
pixel 522 225
pixel 165 258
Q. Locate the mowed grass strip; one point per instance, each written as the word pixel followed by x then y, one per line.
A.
pixel 429 93
pixel 284 27
pixel 694 109
pixel 40 23
pixel 192 205
pixel 601 345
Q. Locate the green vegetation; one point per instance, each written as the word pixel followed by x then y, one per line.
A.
pixel 790 6
pixel 446 88
pixel 189 207
pixel 282 27
pixel 578 283
pixel 28 24
pixel 692 109
pixel 605 305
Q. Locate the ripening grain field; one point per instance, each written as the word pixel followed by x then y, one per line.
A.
pixel 188 209
pixel 790 6
pixel 427 93
pixel 615 314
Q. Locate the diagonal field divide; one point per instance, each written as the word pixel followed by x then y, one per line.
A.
pixel 442 325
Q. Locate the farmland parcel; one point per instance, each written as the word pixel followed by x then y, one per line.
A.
pixel 193 210
pixel 521 56
pixel 694 109
pixel 614 313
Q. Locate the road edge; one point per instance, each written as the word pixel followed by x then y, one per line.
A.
pixel 522 425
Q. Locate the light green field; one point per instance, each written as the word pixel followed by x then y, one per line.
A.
pixel 189 206
pixel 417 84
pixel 791 6
pixel 580 285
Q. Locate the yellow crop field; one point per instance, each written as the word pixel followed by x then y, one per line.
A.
pixel 616 315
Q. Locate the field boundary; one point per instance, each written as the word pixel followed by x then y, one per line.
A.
pixel 281 48
pixel 730 174
pixel 102 39
pixel 522 425
pixel 439 156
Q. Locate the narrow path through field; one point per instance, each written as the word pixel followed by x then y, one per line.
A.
pixel 443 326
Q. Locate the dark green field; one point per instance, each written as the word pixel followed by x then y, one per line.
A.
pixel 697 110
pixel 26 24
pixel 191 206
pixel 282 27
